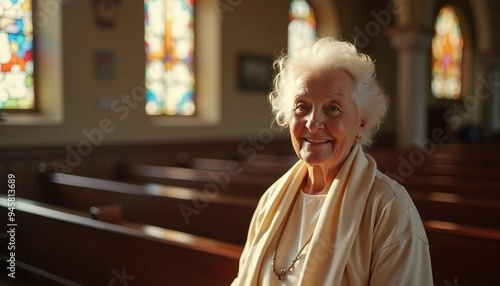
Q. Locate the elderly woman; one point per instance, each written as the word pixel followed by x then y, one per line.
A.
pixel 333 218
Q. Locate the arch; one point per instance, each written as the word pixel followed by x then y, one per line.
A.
pixel 423 13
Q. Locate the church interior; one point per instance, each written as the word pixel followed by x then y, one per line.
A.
pixel 144 130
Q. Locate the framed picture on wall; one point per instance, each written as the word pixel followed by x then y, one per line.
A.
pixel 255 72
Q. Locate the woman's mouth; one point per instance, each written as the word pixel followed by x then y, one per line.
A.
pixel 316 141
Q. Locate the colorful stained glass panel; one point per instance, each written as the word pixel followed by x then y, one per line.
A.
pixel 169 39
pixel 447 49
pixel 16 55
pixel 302 25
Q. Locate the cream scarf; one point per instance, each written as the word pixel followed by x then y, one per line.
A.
pixel 335 231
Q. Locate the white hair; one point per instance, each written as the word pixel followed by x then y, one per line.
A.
pixel 325 55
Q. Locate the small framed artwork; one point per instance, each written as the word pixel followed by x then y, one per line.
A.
pixel 255 72
pixel 104 64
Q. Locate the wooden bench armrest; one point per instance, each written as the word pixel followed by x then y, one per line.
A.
pixel 108 213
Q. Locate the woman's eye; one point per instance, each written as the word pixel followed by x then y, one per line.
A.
pixel 333 110
pixel 301 109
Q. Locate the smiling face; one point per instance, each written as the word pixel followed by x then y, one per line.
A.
pixel 325 120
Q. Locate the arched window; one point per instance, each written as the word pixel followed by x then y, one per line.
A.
pixel 302 25
pixel 169 39
pixel 16 56
pixel 447 51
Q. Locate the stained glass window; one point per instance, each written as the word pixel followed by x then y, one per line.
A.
pixel 169 39
pixel 447 47
pixel 302 25
pixel 16 55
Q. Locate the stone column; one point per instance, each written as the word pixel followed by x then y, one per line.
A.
pixel 413 46
pixel 486 93
pixel 495 125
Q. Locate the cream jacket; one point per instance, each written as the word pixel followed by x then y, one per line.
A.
pixel 368 232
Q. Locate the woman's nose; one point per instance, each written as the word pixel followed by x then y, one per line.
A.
pixel 315 120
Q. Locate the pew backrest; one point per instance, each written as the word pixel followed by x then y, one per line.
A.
pixel 73 246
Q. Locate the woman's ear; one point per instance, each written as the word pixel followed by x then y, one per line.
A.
pixel 362 126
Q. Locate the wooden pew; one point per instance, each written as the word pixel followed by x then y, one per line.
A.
pixel 468 180
pixel 154 256
pixel 240 184
pixel 463 255
pixel 162 207
pixel 489 160
pixel 214 216
pixel 482 189
pixel 446 163
pixel 273 169
pixel 57 243
pixel 446 198
pixel 448 154
pixel 473 172
pixel 477 181
pixel 473 167
pixel 457 209
pixel 433 202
